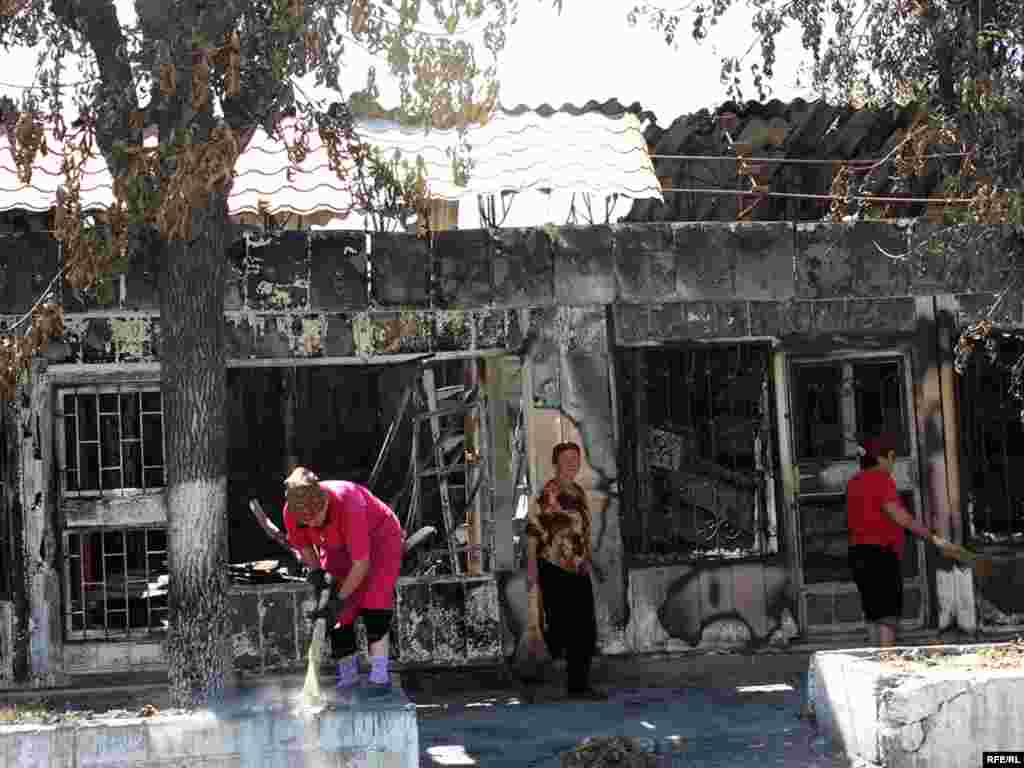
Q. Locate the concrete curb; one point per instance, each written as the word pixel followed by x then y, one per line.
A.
pixel 940 716
pixel 265 729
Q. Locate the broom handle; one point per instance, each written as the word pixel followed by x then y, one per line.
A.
pixel 320 628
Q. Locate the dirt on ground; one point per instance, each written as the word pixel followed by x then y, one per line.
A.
pixel 1004 656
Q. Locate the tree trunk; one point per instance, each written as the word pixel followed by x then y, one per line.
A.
pixel 193 373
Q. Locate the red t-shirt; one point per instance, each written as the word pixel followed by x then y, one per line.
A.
pixel 866 494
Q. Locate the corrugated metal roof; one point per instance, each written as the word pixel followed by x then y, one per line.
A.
pixel 597 148
pixel 776 132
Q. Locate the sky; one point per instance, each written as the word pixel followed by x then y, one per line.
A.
pixel 588 51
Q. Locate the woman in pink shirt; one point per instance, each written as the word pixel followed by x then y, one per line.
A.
pixel 352 543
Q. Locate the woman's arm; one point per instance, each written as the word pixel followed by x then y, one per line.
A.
pixel 531 563
pixel 901 517
pixel 355 578
pixel 275 533
pixel 588 545
pixel 309 557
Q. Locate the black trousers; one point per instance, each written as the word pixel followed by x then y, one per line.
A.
pixel 879 578
pixel 570 625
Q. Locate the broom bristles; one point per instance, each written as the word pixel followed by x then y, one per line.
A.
pixel 311 689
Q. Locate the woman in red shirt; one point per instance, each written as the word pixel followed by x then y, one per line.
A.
pixel 877 521
pixel 352 542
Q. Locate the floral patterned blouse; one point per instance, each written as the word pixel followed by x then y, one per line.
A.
pixel 563 535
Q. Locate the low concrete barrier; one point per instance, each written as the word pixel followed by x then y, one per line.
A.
pixel 259 728
pixel 927 707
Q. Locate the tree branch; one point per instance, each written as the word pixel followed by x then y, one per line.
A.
pixel 97 22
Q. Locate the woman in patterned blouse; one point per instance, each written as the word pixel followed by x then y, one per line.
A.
pixel 559 564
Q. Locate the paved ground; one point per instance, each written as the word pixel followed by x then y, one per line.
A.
pixel 714 711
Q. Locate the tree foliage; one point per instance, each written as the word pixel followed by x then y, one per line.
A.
pixel 205 75
pixel 960 63
pixel 957 65
pixel 170 100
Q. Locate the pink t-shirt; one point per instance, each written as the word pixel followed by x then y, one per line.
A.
pixel 356 522
pixel 359 526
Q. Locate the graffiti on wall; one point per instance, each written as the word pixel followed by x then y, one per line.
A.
pixel 720 604
pixel 743 602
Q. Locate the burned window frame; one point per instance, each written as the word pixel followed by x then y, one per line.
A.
pixel 986 400
pixel 632 368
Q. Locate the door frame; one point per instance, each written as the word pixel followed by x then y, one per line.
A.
pixel 908 470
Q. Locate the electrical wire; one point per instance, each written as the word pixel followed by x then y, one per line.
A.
pixel 60 87
pixel 859 163
pixel 823 198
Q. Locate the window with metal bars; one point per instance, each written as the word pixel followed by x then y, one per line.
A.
pixel 116 583
pixel 110 440
pixel 700 442
pixel 992 438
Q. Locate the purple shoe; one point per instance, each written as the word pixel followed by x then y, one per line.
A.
pixel 348 674
pixel 379 683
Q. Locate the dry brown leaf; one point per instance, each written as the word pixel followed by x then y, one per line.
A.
pixel 168 80
pixel 231 55
pixel 360 14
pixel 312 43
pixel 10 8
pixel 200 80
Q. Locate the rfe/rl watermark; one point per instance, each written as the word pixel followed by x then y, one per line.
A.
pixel 1002 758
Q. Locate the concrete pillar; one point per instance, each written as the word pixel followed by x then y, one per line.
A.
pixel 572 400
pixel 938 432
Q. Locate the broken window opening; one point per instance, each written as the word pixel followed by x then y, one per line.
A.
pixel 840 403
pixel 836 405
pixel 336 420
pixel 701 445
pixel 116 582
pixel 110 440
pixel 992 433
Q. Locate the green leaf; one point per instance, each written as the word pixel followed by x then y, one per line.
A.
pixel 105 291
pixel 452 24
pixel 120 265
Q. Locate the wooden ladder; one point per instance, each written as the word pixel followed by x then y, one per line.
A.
pixel 448 404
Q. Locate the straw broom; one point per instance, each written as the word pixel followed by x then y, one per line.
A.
pixel 981 565
pixel 311 689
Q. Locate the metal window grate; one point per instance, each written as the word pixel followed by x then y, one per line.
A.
pixel 110 440
pixel 992 436
pixel 115 583
pixel 701 452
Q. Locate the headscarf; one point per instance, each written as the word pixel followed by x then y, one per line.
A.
pixel 882 445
